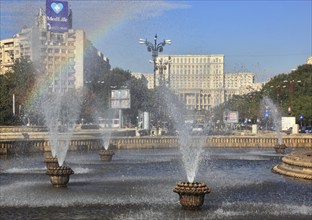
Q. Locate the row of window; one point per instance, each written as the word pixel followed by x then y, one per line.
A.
pixel 192 66
pixel 56 50
pixel 196 60
pixel 185 71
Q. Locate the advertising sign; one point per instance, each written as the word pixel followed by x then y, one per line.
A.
pixel 230 117
pixel 120 99
pixel 57 16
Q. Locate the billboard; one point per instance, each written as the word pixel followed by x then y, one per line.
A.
pixel 120 99
pixel 57 16
pixel 230 117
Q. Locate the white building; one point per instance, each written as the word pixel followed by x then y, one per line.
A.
pixel 200 81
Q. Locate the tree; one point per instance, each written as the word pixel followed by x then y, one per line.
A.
pixel 97 97
pixel 294 91
pixel 6 115
pixel 18 81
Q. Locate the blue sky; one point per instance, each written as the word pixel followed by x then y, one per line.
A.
pixel 264 37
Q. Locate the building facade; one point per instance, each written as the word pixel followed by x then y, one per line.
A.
pixel 200 81
pixel 60 55
pixel 197 79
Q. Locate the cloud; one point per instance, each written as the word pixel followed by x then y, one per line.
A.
pixel 92 13
pixel 88 14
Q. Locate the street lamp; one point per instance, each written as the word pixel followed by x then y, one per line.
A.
pixel 161 65
pixel 155 48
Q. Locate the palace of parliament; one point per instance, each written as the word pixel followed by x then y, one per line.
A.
pixel 199 80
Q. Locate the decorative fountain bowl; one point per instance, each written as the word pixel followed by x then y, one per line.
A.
pixel 51 162
pixel 280 148
pixel 106 155
pixel 191 195
pixel 59 176
pixel 296 164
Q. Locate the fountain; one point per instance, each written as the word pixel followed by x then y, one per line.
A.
pixel 191 194
pixel 139 186
pixel 59 109
pixel 280 147
pixel 59 176
pixel 51 162
pixel 296 164
pixel 106 154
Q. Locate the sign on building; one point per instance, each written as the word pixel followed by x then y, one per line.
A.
pixel 120 99
pixel 57 16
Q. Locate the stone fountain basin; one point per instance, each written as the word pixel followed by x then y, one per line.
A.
pixel 59 176
pixel 138 184
pixel 51 162
pixel 296 164
pixel 106 155
pixel 191 195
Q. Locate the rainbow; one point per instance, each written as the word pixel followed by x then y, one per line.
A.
pixel 109 23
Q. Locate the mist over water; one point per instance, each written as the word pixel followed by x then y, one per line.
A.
pixel 276 116
pixel 106 136
pixel 190 148
pixel 61 111
pixel 106 139
pixel 51 106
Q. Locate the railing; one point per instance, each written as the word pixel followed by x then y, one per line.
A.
pixel 88 143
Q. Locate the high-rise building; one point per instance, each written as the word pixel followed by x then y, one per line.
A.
pixel 64 56
pixel 6 54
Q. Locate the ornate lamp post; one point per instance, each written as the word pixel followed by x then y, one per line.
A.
pixel 161 66
pixel 155 48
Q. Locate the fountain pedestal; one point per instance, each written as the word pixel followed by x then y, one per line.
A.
pixel 51 162
pixel 191 195
pixel 59 176
pixel 106 155
pixel 296 164
pixel 280 148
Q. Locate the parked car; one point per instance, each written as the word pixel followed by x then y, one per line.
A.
pixel 143 132
pixel 302 129
pixel 308 130
pixel 198 129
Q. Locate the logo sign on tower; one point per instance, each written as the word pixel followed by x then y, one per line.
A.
pixel 57 16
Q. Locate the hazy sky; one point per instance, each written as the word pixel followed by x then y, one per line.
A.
pixel 264 37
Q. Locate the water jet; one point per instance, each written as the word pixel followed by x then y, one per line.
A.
pixel 51 162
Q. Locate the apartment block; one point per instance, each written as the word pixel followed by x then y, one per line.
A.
pixel 63 57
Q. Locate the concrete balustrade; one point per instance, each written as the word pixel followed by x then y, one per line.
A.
pixel 43 145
